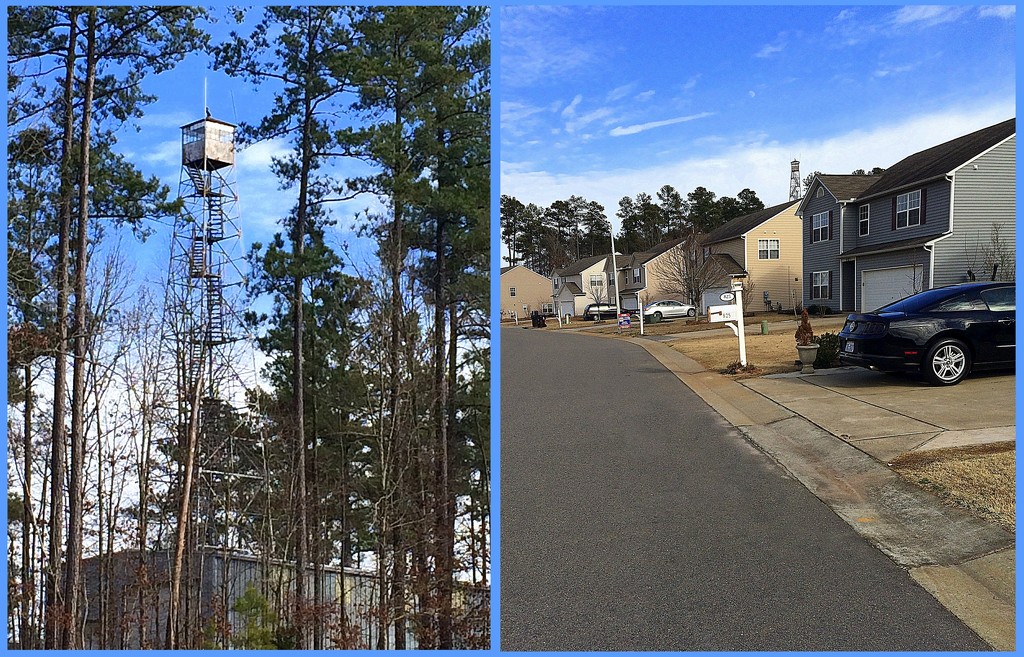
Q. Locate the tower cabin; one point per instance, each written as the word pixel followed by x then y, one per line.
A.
pixel 208 144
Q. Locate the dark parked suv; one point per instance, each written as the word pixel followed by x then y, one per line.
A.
pixel 599 311
pixel 943 334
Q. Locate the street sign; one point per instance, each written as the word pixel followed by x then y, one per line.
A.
pixel 624 320
pixel 727 296
pixel 723 313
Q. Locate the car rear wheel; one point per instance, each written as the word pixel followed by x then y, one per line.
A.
pixel 692 312
pixel 656 317
pixel 947 363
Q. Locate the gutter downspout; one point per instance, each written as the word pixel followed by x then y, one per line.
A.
pixel 929 247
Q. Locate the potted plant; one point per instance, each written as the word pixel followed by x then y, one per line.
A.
pixel 806 347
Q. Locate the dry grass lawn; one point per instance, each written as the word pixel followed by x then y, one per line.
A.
pixel 979 479
pixel 766 354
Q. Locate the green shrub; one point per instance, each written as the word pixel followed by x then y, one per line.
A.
pixel 828 351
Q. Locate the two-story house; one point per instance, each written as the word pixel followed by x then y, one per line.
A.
pixel 932 219
pixel 829 200
pixel 524 290
pixel 644 275
pixel 589 280
pixel 767 245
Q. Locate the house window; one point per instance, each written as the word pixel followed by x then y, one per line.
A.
pixel 908 209
pixel 611 279
pixel 636 275
pixel 511 291
pixel 596 280
pixel 820 193
pixel 819 227
pixel 768 249
pixel 865 215
pixel 557 281
pixel 819 285
pixel 547 308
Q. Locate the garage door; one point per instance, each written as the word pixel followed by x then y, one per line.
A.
pixel 883 286
pixel 629 302
pixel 567 308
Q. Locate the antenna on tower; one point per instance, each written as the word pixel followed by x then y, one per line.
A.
pixel 794 181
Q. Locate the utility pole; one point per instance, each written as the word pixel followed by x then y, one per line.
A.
pixel 615 278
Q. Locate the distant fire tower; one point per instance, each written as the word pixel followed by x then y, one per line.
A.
pixel 794 180
pixel 211 344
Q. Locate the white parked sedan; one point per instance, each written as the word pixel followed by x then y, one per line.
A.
pixel 668 309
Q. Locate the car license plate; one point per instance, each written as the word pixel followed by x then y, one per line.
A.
pixel 849 346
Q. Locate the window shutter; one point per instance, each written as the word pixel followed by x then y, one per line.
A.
pixel 810 229
pixel 830 224
pixel 829 283
pixel 894 213
pixel 923 191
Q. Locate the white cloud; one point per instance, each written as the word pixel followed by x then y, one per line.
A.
pixel 774 47
pixel 751 93
pixel 618 93
pixel 583 120
pixel 164 154
pixel 927 15
pixel 691 83
pixel 728 166
pixel 536 46
pixel 570 109
pixel 769 50
pixel 997 11
pixel 258 156
pixel 644 95
pixel 166 119
pixel 886 71
pixel 641 127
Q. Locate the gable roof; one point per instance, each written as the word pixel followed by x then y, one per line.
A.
pixel 846 186
pixel 655 251
pixel 580 265
pixel 505 270
pixel 740 225
pixel 937 161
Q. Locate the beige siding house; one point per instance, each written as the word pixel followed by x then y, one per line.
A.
pixel 768 245
pixel 583 282
pixel 643 275
pixel 523 290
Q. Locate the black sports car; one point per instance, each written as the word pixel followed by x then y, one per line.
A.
pixel 942 334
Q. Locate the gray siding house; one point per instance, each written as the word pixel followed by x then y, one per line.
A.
pixel 935 218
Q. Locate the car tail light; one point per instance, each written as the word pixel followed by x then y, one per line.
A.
pixel 910 352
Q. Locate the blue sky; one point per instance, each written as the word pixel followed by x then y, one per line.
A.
pixel 607 102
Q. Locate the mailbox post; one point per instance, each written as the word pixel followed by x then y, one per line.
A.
pixel 737 287
pixel 731 312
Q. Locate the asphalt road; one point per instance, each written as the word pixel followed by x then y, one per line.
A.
pixel 633 517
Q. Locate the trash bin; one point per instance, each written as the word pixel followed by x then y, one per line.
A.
pixel 537 319
pixel 764 327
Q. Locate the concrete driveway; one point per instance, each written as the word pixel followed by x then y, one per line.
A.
pixel 885 415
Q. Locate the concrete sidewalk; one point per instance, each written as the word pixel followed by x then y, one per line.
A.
pixel 833 433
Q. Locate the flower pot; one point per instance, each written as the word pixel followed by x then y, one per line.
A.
pixel 807 355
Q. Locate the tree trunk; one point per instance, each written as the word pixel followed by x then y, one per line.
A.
pixel 28 586
pixel 55 611
pixel 440 451
pixel 73 575
pixel 173 628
